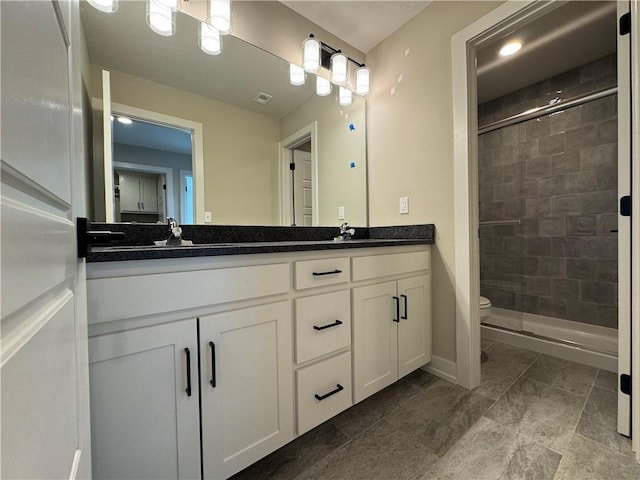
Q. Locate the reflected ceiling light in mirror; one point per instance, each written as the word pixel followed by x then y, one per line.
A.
pixel 107 6
pixel 220 15
pixel 510 48
pixel 323 86
pixel 362 81
pixel 311 54
pixel 160 18
pixel 345 97
pixel 296 75
pixel 125 120
pixel 209 39
pixel 339 68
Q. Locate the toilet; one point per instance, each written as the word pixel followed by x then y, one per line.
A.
pixel 485 309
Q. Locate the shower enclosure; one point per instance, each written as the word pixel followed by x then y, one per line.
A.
pixel 548 208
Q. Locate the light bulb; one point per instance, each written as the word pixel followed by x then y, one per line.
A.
pixel 510 48
pixel 339 68
pixel 311 55
pixel 362 81
pixel 345 97
pixel 323 86
pixel 220 15
pixel 296 75
pixel 160 19
pixel 210 41
pixel 107 6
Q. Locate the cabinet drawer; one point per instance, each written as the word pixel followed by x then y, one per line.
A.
pixel 324 390
pixel 375 266
pixel 317 329
pixel 316 273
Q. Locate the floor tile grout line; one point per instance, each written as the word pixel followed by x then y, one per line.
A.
pixel 518 378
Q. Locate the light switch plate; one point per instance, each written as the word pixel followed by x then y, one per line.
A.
pixel 207 217
pixel 404 205
pixel 340 213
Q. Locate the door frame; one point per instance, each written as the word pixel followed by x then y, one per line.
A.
pixel 168 179
pixel 183 186
pixel 305 134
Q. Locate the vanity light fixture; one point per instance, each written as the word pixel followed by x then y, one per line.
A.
pixel 107 6
pixel 311 54
pixel 362 81
pixel 160 18
pixel 339 68
pixel 323 86
pixel 173 5
pixel 220 15
pixel 296 75
pixel 209 39
pixel 345 97
pixel 510 48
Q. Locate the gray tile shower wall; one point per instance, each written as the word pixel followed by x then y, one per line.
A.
pixel 557 174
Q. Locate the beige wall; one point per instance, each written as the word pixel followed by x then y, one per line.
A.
pixel 240 147
pixel 410 141
pixel 338 146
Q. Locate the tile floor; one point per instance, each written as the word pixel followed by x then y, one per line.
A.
pixel 533 417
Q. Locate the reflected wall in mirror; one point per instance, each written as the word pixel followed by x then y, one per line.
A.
pixel 247 146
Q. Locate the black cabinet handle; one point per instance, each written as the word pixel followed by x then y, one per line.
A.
pixel 397 300
pixel 213 364
pixel 339 388
pixel 334 324
pixel 405 307
pixel 333 272
pixel 188 353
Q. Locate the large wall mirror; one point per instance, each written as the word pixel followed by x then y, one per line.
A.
pixel 210 139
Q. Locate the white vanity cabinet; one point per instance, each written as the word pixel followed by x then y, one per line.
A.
pixel 247 386
pixel 391 321
pixel 144 402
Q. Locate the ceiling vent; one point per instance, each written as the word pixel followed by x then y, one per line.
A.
pixel 262 98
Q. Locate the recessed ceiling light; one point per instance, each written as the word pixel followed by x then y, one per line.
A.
pixel 510 48
pixel 125 120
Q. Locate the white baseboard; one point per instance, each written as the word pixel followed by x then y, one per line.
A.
pixel 443 368
pixel 574 353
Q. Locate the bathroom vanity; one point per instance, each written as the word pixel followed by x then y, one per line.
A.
pixel 235 354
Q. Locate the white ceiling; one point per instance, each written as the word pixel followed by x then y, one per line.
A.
pixel 363 24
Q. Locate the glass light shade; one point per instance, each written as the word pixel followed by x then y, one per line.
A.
pixel 362 81
pixel 296 75
pixel 209 39
pixel 345 97
pixel 311 55
pixel 339 68
pixel 220 15
pixel 173 5
pixel 107 6
pixel 323 86
pixel 160 19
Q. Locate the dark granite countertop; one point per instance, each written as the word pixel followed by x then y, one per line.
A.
pixel 215 240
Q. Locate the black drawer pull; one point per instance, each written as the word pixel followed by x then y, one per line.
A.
pixel 334 324
pixel 188 353
pixel 213 364
pixel 333 272
pixel 339 388
pixel 397 300
pixel 405 308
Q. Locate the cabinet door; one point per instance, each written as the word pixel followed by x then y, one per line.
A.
pixel 375 339
pixel 149 194
pixel 129 192
pixel 247 386
pixel 144 422
pixel 414 329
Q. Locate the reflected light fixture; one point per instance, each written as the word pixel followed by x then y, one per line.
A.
pixel 296 75
pixel 339 68
pixel 510 48
pixel 323 86
pixel 220 15
pixel 160 18
pixel 362 81
pixel 345 97
pixel 209 39
pixel 311 54
pixel 107 6
pixel 125 120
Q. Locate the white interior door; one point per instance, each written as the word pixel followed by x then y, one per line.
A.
pixel 44 359
pixel 303 188
pixel 624 225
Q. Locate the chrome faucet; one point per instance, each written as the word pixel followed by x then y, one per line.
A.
pixel 175 232
pixel 346 232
